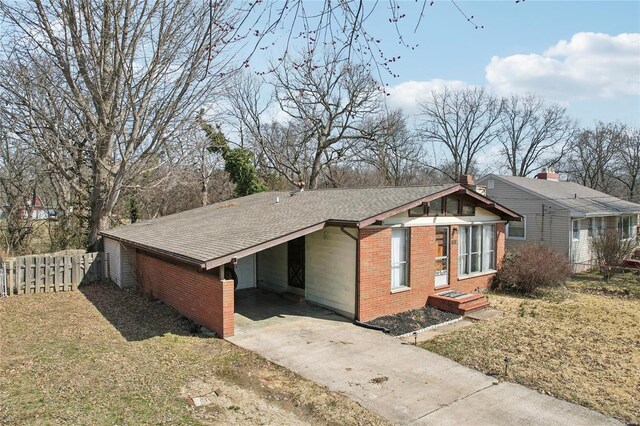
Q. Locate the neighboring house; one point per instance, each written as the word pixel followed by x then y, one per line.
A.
pixel 34 209
pixel 363 253
pixel 564 215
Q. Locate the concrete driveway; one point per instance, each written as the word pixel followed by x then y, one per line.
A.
pixel 403 383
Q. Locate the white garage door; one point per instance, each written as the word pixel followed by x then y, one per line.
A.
pixel 246 271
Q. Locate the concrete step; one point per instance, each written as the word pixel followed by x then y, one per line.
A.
pixel 463 310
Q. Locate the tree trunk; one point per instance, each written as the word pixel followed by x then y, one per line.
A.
pixel 204 192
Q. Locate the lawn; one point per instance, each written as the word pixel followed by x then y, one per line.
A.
pixel 102 355
pixel 580 343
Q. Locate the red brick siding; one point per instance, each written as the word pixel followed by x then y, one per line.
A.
pixel 376 298
pixel 200 296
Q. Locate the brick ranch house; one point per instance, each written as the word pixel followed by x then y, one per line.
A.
pixel 363 253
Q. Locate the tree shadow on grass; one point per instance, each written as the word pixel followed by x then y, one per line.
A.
pixel 133 314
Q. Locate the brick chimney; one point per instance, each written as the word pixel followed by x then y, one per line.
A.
pixel 548 174
pixel 466 180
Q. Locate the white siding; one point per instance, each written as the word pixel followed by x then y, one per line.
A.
pixel 330 276
pixel 128 266
pixel 272 268
pixel 481 216
pixel 122 263
pixel 580 248
pixel 581 255
pixel 246 272
pixel 112 254
pixel 551 227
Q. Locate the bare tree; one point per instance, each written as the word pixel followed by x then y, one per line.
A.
pixel 610 250
pixel 592 156
pixel 19 180
pixel 628 164
pixel 103 87
pixel 327 103
pixel 533 134
pixel 394 152
pixel 463 122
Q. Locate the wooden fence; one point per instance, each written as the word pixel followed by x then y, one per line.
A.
pixel 50 273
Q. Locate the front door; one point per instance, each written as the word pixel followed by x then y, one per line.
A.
pixel 442 256
pixel 296 263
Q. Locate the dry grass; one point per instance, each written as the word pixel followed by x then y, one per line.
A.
pixel 106 356
pixel 580 347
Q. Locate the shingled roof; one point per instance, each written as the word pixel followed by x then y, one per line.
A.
pixel 209 236
pixel 579 199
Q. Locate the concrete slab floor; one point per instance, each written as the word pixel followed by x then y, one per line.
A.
pixel 403 383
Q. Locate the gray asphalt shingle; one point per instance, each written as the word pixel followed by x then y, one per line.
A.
pixel 221 229
pixel 575 197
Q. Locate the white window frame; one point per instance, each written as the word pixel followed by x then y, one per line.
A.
pixel 524 223
pixel 468 253
pixel 573 230
pixel 591 227
pixel 629 228
pixel 404 264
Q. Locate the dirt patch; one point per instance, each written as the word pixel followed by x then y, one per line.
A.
pixel 579 347
pixel 103 355
pixel 417 319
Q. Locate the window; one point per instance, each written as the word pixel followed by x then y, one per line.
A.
pixel 596 226
pixel 625 226
pixel 399 258
pixel 516 230
pixel 477 249
pixel 576 229
pixel 435 207
pixel 453 205
pixel 417 211
pixel 468 209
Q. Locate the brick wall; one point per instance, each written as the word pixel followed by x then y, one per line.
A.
pixel 200 296
pixel 376 298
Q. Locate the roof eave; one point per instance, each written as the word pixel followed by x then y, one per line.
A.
pixel 219 261
pixel 155 250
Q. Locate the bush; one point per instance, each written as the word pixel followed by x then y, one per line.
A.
pixel 531 267
pixel 610 250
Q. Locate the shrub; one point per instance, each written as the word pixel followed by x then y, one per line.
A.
pixel 531 267
pixel 610 250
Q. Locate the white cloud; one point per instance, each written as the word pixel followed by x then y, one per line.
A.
pixel 589 66
pixel 407 95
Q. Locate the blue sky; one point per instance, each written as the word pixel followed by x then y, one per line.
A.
pixel 597 76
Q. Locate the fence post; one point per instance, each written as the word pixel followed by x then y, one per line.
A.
pixel 12 277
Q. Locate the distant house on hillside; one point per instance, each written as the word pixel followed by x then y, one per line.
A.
pixel 33 208
pixel 564 215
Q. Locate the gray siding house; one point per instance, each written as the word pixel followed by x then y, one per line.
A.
pixel 564 215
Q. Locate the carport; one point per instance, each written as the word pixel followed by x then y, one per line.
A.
pixel 257 308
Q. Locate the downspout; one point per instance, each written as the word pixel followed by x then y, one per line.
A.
pixel 356 311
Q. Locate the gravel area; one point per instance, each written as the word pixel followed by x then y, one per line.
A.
pixel 417 319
